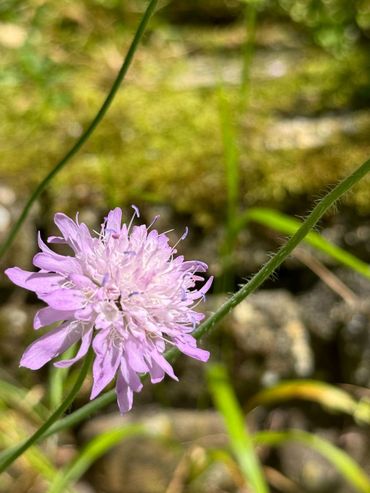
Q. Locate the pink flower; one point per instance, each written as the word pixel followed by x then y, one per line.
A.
pixel 124 292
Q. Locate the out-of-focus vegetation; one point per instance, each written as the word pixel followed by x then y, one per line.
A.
pixel 304 128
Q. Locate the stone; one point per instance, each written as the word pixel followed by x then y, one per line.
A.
pixel 268 324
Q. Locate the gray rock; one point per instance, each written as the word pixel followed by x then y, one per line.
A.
pixel 269 324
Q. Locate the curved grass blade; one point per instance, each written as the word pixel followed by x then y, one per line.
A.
pixel 343 463
pixel 240 439
pixel 288 225
pixel 326 395
pixel 93 451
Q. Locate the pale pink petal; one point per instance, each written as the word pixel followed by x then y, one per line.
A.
pixel 69 230
pixel 114 219
pixel 85 345
pixel 130 376
pixel 34 281
pixel 124 395
pixel 50 345
pixel 58 263
pixel 156 373
pixel 193 351
pixel 104 370
pixel 48 316
pixel 163 363
pixel 64 299
pixel 135 357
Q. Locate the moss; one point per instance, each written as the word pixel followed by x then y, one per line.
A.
pixel 162 143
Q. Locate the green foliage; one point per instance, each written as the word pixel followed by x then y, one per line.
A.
pixel 339 459
pixel 330 397
pixel 93 450
pixel 336 24
pixel 240 438
pixel 288 225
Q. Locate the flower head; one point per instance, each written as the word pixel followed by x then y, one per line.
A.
pixel 124 292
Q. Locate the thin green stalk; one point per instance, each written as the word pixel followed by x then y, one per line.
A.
pixel 9 457
pixel 57 377
pixel 231 160
pixel 289 225
pixel 263 274
pixel 90 129
pixel 276 260
pixel 241 440
pixel 250 17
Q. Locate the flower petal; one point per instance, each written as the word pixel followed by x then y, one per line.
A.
pixel 85 345
pixel 114 219
pixel 164 364
pixel 156 373
pixel 50 345
pixel 34 281
pixel 134 353
pixel 193 351
pixel 57 263
pixel 125 395
pixel 64 299
pixel 69 230
pixel 130 376
pixel 48 316
pixel 104 370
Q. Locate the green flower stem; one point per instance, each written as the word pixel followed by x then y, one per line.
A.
pixel 9 456
pixel 261 276
pixel 276 260
pixel 90 129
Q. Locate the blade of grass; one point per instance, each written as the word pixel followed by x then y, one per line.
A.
pixel 328 396
pixel 9 456
pixel 344 464
pixel 240 439
pixel 57 378
pixel 231 162
pixel 88 132
pixel 288 225
pixel 12 429
pixel 250 22
pixel 93 451
pixel 19 398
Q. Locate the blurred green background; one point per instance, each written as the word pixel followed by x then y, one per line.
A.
pixel 229 106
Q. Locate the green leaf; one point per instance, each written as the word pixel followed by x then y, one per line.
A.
pixel 288 225
pixel 327 395
pixel 240 439
pixel 339 459
pixel 93 450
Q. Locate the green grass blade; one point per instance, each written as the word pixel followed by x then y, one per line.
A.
pixel 339 459
pixel 17 397
pixel 240 439
pixel 231 162
pixel 57 378
pixel 231 156
pixel 288 225
pixel 326 395
pixel 93 451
